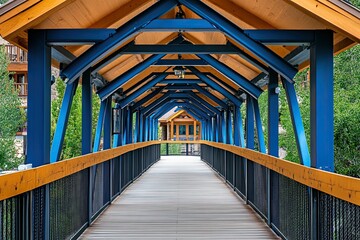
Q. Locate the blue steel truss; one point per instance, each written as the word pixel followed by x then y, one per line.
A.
pixel 222 122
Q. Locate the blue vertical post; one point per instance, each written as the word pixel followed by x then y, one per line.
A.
pixel 130 125
pixel 250 144
pixel 321 113
pixel 39 110
pixel 229 134
pixel 218 129
pixel 107 145
pixel 125 125
pixel 146 125
pixel 223 126
pixel 273 148
pixel 136 130
pixel 62 122
pixel 86 131
pixel 239 139
pixel 39 100
pixel 116 135
pixel 215 130
pixel 141 127
pixel 322 91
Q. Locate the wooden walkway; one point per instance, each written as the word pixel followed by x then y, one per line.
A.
pixel 179 198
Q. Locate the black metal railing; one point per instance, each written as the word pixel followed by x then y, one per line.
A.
pixel 64 208
pixel 293 210
pixel 178 148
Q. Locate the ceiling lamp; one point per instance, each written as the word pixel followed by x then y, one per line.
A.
pixel 179 72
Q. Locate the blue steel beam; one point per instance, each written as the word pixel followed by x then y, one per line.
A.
pixel 203 102
pixel 273 114
pixel 226 85
pixel 123 78
pixel 243 83
pixel 229 128
pixel 116 136
pixel 223 126
pixel 237 34
pixel 108 59
pixel 181 62
pixel 297 123
pixel 206 113
pixel 259 130
pixel 322 102
pixel 135 86
pixel 182 81
pixel 209 95
pixel 65 37
pixel 99 126
pixel 141 90
pixel 62 122
pixel 86 122
pixel 215 86
pixel 181 49
pixel 239 137
pixel 101 49
pixel 155 103
pixel 39 99
pixel 147 98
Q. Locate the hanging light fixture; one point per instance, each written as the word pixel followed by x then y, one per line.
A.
pixel 179 72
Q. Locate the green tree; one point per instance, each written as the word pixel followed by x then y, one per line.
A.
pixel 11 117
pixel 72 140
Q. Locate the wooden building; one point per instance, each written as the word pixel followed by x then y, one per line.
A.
pixel 180 126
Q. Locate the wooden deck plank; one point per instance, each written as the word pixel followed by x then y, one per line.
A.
pixel 179 198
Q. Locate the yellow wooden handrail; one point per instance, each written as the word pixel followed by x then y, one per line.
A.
pixel 20 182
pixel 339 186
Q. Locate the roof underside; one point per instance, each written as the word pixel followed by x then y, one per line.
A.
pixel 247 15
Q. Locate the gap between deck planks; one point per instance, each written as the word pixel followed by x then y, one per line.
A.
pixel 179 198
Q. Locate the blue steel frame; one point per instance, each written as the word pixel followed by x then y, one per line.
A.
pixel 237 34
pixel 101 49
pixel 322 101
pixel 62 122
pixel 213 119
pixel 298 126
pixel 39 100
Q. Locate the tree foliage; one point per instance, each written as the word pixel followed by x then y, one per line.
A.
pixel 346 113
pixel 11 117
pixel 72 140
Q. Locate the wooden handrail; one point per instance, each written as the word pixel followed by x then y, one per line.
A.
pixel 14 184
pixel 340 186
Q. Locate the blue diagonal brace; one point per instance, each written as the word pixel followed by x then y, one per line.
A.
pixel 243 83
pixel 123 78
pixel 215 86
pixel 100 50
pixel 142 89
pixel 297 123
pixel 62 122
pixel 147 98
pixel 99 126
pixel 259 130
pixel 209 95
pixel 237 34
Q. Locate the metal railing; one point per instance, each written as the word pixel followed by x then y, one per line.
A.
pixel 60 200
pixel 296 201
pixel 181 147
